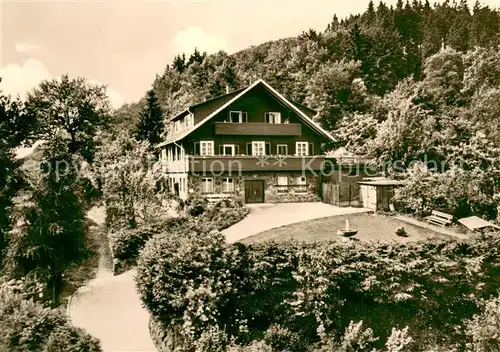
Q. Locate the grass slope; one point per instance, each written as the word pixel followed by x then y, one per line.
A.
pixel 370 228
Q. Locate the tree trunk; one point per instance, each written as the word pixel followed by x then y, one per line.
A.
pixel 56 288
pixel 72 144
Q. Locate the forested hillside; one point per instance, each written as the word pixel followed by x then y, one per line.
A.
pixel 382 46
pixel 414 82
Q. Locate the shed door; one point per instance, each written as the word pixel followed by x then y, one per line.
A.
pixel 254 191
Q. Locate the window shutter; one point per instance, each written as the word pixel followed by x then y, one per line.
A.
pixel 245 117
pixel 196 148
pixel 249 148
pixel 268 148
pixel 221 149
pixel 237 150
pixel 311 149
pixel 266 117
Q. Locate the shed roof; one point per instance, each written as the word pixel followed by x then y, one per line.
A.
pixel 382 182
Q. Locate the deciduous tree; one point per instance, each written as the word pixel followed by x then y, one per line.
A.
pixel 71 111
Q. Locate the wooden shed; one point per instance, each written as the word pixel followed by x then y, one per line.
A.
pixel 377 193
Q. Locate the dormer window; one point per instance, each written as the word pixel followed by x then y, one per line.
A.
pixel 237 116
pixel 177 126
pixel 189 121
pixel 273 117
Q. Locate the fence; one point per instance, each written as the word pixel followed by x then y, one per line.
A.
pixel 342 195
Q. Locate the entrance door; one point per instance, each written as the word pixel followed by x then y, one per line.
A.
pixel 254 191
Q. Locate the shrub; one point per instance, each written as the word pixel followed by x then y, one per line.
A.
pixel 281 339
pixel 185 279
pixel 199 216
pixel 195 205
pixel 223 214
pixel 28 326
pixel 401 232
pixel 316 289
pixel 125 243
pixel 356 338
pixel 483 329
pixel 399 340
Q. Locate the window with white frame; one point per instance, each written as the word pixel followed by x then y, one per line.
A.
pixel 228 149
pixel 273 117
pixel 237 116
pixel 282 184
pixel 301 148
pixel 207 185
pixel 227 185
pixel 258 148
pixel 301 183
pixel 282 149
pixel 206 148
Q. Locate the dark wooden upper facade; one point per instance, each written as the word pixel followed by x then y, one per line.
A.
pixel 232 124
pixel 255 104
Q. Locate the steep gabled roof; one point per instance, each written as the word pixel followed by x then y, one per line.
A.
pixel 184 133
pixel 219 100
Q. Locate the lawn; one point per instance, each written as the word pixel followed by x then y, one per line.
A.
pixel 370 228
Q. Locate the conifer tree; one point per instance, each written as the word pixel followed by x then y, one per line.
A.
pixel 150 126
pixel 179 63
pixel 431 42
pixel 458 36
pixel 53 235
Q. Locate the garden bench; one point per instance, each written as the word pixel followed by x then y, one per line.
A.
pixel 439 218
pixel 214 198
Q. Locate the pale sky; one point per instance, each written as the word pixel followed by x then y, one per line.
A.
pixel 124 44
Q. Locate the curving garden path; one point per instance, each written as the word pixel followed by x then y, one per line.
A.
pixel 109 308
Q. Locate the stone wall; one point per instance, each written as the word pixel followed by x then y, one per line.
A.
pixel 293 194
pixel 194 184
pixel 270 180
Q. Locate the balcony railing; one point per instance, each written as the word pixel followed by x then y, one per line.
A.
pixel 242 163
pixel 258 129
pixel 179 166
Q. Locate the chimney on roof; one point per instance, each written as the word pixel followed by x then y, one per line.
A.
pixel 227 89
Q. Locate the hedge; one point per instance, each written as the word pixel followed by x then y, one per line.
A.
pixel 198 282
pixel 125 243
pixel 198 214
pixel 28 326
